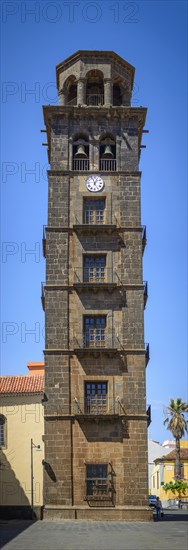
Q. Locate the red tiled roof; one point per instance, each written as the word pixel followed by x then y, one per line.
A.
pixel 172 455
pixel 21 384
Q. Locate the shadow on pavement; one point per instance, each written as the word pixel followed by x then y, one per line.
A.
pixel 9 529
pixel 173 515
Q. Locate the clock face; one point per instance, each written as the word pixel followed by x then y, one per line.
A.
pixel 94 183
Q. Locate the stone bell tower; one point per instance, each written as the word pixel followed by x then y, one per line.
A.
pixel 94 296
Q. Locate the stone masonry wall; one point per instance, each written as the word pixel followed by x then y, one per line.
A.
pixel 57 470
pixel 71 439
pixel 135 464
pixel 58 199
pixel 57 257
pixel 57 384
pixel 56 304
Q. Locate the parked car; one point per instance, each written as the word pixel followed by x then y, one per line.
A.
pixel 152 501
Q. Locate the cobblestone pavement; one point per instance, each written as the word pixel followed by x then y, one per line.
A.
pixel 171 533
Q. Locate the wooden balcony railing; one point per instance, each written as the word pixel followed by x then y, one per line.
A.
pixel 108 165
pixel 81 164
pixel 96 275
pixel 95 99
pixel 72 101
pixel 147 353
pixel 98 405
pixel 148 412
pixel 96 340
pixel 44 241
pixel 144 238
pixel 103 220
pixel 145 292
pixel 43 295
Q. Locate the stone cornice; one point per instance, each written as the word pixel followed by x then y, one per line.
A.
pixel 70 351
pixel 85 112
pixel 72 173
pixel 54 228
pixel 81 55
pixel 122 417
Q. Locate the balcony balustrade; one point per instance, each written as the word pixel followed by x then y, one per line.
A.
pixel 72 101
pixel 147 353
pixel 148 412
pixel 81 165
pixel 144 238
pixel 145 292
pixel 95 99
pixel 100 405
pixel 108 165
pixel 96 342
pixel 95 278
pixel 94 217
pixel 89 221
pixel 44 241
pixel 43 295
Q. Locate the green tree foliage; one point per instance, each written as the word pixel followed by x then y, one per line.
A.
pixel 179 487
pixel 177 424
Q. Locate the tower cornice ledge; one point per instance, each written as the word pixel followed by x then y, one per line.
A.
pixel 62 172
pixel 106 56
pixel 121 112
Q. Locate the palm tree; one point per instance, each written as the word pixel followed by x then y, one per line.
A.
pixel 177 424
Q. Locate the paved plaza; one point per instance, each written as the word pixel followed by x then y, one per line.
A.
pixel 170 533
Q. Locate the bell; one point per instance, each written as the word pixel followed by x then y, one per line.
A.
pixel 107 152
pixel 80 151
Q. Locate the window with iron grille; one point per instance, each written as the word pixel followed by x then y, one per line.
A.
pixel 94 331
pixel 94 269
pixel 94 211
pixel 96 480
pixel 95 397
pixel 157 480
pixel 182 471
pixel 2 431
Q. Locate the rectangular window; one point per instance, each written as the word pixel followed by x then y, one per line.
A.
pixel 2 430
pixel 96 480
pixel 157 480
pixel 94 331
pixel 94 269
pixel 95 397
pixel 153 482
pixel 94 211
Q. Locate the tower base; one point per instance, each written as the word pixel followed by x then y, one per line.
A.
pixel 118 513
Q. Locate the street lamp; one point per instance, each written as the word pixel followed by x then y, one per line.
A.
pixel 33 446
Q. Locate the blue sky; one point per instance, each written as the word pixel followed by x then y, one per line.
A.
pixel 152 37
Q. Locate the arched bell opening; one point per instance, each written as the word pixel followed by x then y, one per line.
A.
pixel 107 153
pixel 121 92
pixel 70 87
pixel 81 152
pixel 95 88
pixel 117 95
